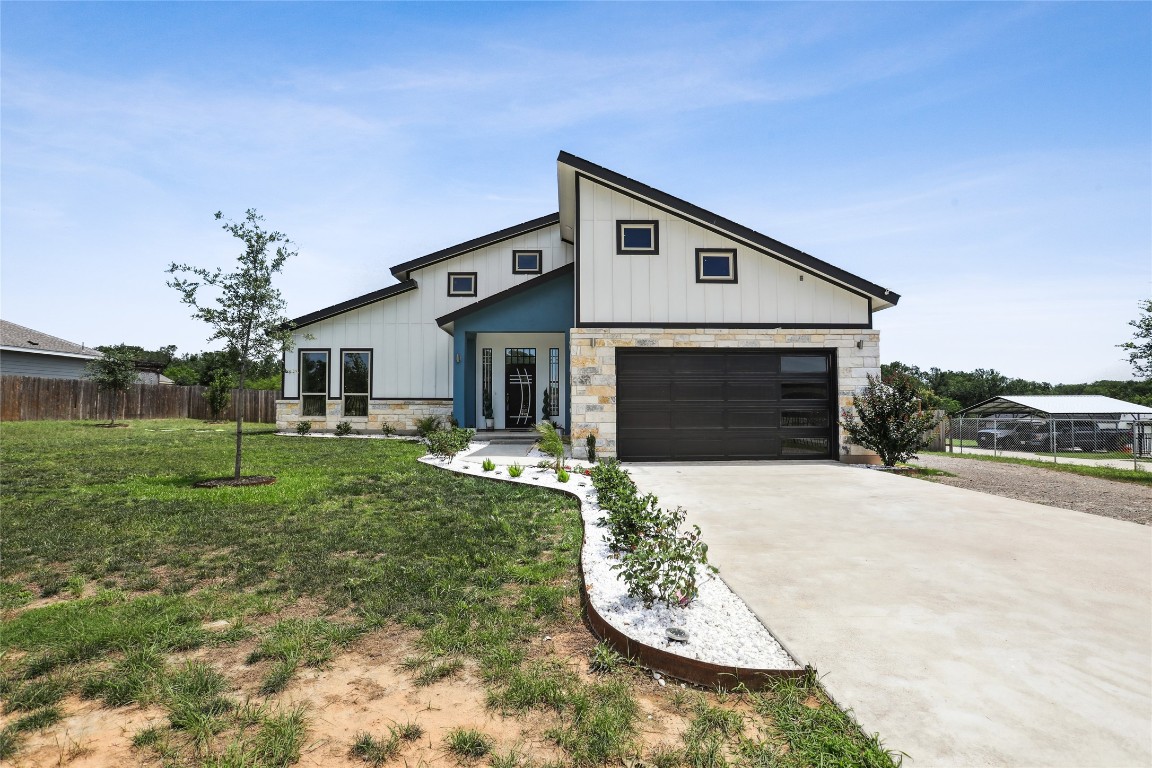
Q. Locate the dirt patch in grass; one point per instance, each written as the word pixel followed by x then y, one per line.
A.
pixel 89 736
pixel 235 482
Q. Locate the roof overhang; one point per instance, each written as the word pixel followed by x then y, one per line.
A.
pixel 1066 406
pixel 569 167
pixel 405 270
pixel 350 304
pixel 52 352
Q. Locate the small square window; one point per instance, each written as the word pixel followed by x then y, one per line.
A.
pixel 526 262
pixel 461 283
pixel 715 265
pixel 642 237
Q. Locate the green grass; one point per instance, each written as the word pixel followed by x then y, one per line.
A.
pixel 1139 476
pixel 366 533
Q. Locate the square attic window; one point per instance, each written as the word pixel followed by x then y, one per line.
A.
pixel 642 237
pixel 715 265
pixel 526 262
pixel 461 283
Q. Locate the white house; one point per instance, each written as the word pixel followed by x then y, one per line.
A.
pixel 663 329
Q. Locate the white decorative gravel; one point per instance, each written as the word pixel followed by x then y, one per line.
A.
pixel 721 629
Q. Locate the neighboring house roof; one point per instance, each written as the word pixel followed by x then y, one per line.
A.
pixel 20 338
pixel 711 220
pixel 403 271
pixel 1057 405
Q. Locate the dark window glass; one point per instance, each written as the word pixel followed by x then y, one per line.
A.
pixel 804 418
pixel 314 405
pixel 463 284
pixel 527 261
pixel 803 364
pixel 637 237
pixel 356 365
pixel 803 390
pixel 716 266
pixel 314 367
pixel 804 446
pixel 520 356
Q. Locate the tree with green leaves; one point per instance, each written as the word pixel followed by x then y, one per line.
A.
pixel 246 311
pixel 889 418
pixel 1140 348
pixel 115 372
pixel 219 393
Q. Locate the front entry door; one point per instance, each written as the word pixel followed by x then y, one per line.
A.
pixel 519 387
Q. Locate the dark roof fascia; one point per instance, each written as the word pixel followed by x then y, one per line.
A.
pixel 738 230
pixel 356 303
pixel 1010 409
pixel 496 298
pixel 403 271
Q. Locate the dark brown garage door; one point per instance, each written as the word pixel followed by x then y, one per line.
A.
pixel 725 404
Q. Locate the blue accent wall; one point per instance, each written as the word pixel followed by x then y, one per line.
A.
pixel 548 308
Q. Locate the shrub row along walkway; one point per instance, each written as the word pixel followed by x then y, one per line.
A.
pixel 1108 498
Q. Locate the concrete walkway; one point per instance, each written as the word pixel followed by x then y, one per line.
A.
pixel 966 629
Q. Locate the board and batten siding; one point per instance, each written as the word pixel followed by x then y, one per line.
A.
pixel 411 355
pixel 662 289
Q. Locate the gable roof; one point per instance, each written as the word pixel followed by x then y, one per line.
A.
pixel 1057 405
pixel 403 271
pixel 885 298
pixel 24 339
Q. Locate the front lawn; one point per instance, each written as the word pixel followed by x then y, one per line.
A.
pixel 217 612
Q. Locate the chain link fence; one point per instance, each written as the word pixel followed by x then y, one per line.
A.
pixel 1110 443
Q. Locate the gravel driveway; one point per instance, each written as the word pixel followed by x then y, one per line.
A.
pixel 1108 498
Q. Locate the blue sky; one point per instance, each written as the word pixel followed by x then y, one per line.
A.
pixel 991 162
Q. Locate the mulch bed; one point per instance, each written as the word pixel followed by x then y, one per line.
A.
pixel 227 482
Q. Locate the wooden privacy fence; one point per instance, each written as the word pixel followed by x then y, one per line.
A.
pixel 30 398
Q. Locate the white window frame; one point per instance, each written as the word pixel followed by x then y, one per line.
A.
pixel 651 225
pixel 452 277
pixel 517 270
pixel 729 253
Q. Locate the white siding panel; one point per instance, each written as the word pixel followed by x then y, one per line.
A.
pixel 411 356
pixel 662 288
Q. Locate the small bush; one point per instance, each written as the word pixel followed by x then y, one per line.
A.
pixel 590 444
pixel 515 470
pixel 562 476
pixel 551 443
pixel 303 427
pixel 488 465
pixel 449 442
pixel 427 425
pixel 665 567
pixel 343 428
pixel 889 419
pixel 388 430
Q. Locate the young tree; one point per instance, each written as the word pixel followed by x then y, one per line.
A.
pixel 889 419
pixel 219 393
pixel 115 372
pixel 1140 348
pixel 248 313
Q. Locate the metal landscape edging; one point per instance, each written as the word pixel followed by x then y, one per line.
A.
pixel 687 669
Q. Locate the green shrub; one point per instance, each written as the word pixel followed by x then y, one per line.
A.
pixel 515 470
pixel 388 430
pixel 889 418
pixel 427 425
pixel 489 465
pixel 551 443
pixel 303 427
pixel 449 442
pixel 590 444
pixel 343 428
pixel 562 476
pixel 665 567
pixel 219 393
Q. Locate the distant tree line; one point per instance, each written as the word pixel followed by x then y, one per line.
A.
pixel 203 368
pixel 953 390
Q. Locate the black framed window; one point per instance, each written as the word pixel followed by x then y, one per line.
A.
pixel 639 237
pixel 461 283
pixel 313 383
pixel 527 262
pixel 554 381
pixel 356 378
pixel 716 265
pixel 803 364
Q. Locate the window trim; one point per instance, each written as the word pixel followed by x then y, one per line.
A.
pixel 344 351
pixel 300 393
pixel 523 252
pixel 453 275
pixel 702 252
pixel 652 224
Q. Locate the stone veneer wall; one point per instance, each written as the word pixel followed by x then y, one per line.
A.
pixel 402 415
pixel 593 369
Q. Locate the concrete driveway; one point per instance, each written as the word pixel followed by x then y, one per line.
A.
pixel 966 629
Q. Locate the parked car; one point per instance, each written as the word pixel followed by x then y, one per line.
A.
pixel 1077 434
pixel 1007 434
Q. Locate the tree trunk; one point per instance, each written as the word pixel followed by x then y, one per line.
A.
pixel 240 414
pixel 115 405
